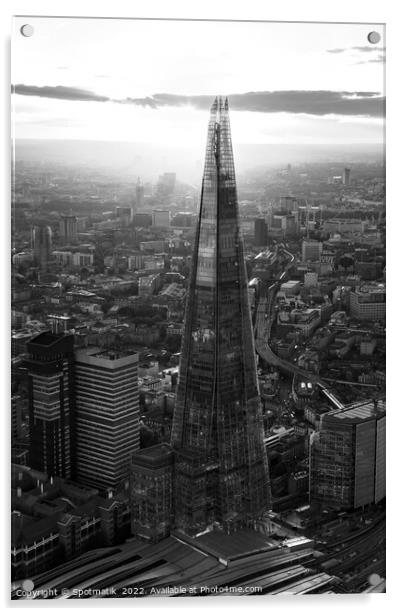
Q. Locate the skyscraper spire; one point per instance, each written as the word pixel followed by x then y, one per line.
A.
pixel 217 434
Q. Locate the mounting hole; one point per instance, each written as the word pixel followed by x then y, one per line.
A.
pixel 26 30
pixel 28 585
pixel 373 37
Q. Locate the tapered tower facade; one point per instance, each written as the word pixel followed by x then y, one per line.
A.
pixel 221 469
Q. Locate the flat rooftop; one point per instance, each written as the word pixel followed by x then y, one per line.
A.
pixel 361 411
pixel 110 358
pixel 155 456
pixel 229 547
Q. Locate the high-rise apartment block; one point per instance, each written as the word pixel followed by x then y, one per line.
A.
pixel 347 457
pixel 107 415
pixel 51 403
pixel 221 469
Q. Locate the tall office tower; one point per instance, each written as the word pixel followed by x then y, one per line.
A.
pixel 139 197
pixel 42 246
pixel 221 468
pixel 107 415
pixel 260 232
pixel 346 176
pixel 68 228
pixel 51 403
pixel 347 457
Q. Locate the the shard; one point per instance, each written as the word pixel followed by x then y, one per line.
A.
pixel 221 469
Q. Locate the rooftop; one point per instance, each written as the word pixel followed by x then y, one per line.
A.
pixel 358 412
pixel 229 547
pixel 47 339
pixel 155 456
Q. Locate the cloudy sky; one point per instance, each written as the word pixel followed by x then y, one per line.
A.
pixel 150 81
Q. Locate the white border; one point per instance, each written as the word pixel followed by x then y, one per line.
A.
pixel 366 11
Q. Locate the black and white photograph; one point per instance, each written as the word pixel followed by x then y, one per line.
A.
pixel 198 306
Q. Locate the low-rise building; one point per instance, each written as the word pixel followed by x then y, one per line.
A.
pixel 54 520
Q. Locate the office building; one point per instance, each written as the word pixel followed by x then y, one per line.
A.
pixel 221 468
pixel 311 250
pixel 283 225
pixel 60 323
pixel 367 302
pixel 83 259
pixel 42 246
pixel 260 232
pixel 68 228
pixel 160 218
pixel 51 403
pixel 166 184
pixel 347 457
pixel 136 261
pixel 124 214
pixel 142 219
pixel 149 285
pixel 346 176
pixel 151 495
pixel 288 204
pixel 107 415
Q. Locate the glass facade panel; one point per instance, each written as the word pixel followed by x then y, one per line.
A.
pixel 364 463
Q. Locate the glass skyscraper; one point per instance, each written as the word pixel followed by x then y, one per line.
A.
pixel 221 468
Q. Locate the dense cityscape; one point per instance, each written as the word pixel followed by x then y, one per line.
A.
pixel 131 475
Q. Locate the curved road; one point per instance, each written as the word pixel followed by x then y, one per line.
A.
pixel 263 324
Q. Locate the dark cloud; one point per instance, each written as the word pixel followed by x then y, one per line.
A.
pixel 312 102
pixel 142 102
pixel 59 92
pixel 321 102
